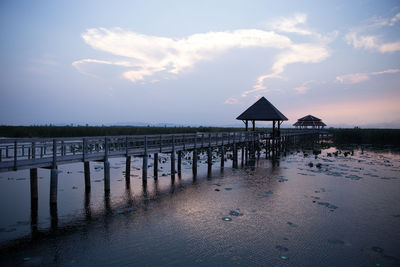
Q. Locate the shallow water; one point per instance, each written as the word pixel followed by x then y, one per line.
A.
pixel 340 210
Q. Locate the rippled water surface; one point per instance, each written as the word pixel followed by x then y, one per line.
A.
pixel 330 210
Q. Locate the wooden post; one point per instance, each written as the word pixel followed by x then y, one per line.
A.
pixel 53 175
pixel 126 146
pixel 209 161
pixel 173 157
pixel 128 169
pixel 106 167
pixel 34 150
pixel 34 184
pixel 254 125
pixel 246 149
pixel 179 162
pixel 155 166
pixel 23 151
pixel 273 129
pixel 62 148
pixel 145 159
pixel 15 154
pixel 1 154
pixel 222 151
pixel 222 156
pixel 6 152
pixel 247 125
pixel 86 167
pixel 194 165
pixel 235 156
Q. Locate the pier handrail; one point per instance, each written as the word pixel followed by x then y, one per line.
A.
pixel 22 153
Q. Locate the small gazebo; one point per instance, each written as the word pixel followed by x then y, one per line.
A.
pixel 262 110
pixel 311 121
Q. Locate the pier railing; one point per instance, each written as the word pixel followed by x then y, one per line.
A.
pixel 23 153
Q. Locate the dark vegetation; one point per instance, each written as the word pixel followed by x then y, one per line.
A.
pixel 339 136
pixel 379 137
pixel 75 131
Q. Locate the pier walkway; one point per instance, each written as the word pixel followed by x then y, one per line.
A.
pixel 33 153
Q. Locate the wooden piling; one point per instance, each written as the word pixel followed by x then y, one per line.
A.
pixel 53 175
pixel 53 185
pixel 15 155
pixel 222 156
pixel 106 167
pixel 86 166
pixel 173 157
pixel 209 161
pixel 145 162
pixel 34 184
pixel 194 165
pixel 128 169
pixel 155 166
pixel 235 156
pixel 179 162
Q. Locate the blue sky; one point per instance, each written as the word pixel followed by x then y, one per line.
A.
pixel 199 63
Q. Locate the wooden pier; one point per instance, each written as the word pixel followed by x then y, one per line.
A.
pixel 32 153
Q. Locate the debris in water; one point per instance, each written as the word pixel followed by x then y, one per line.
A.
pixel 235 213
pixel 216 189
pixel 292 224
pixel 281 248
pixel 74 187
pixel 328 205
pixel 283 180
pixel 283 257
pixel 228 188
pixel 226 219
pixel 377 249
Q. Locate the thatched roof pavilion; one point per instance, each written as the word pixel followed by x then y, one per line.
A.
pixel 311 121
pixel 262 110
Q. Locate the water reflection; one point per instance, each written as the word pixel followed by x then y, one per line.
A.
pixel 53 217
pixel 88 210
pixel 34 217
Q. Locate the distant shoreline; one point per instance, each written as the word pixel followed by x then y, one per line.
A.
pixel 341 136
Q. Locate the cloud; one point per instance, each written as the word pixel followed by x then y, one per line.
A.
pixel 313 52
pixel 151 54
pixel 231 101
pixel 146 55
pixel 362 77
pixel 290 24
pixel 259 89
pixel 361 40
pixel 302 89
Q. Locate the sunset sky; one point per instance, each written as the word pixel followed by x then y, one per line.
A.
pixel 199 62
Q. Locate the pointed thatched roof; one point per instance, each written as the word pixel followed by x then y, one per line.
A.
pixel 309 120
pixel 262 110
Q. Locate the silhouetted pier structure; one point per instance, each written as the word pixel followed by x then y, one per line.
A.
pixel 33 153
